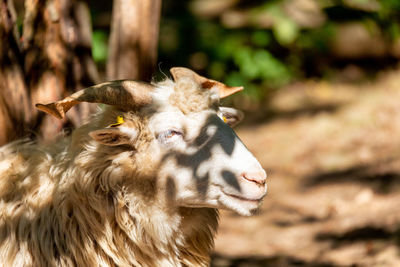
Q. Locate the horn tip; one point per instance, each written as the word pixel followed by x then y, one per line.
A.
pixel 239 88
pixel 50 109
pixel 227 90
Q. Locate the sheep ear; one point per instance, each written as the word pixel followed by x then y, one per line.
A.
pixel 230 116
pixel 115 136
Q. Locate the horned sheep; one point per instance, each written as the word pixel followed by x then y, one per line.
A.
pixel 139 185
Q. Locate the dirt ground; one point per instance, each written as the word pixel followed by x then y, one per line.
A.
pixel 332 154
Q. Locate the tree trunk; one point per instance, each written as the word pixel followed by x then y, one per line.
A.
pixel 134 39
pixel 15 108
pixel 57 47
pixel 52 59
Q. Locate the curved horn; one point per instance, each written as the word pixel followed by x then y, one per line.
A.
pixel 124 93
pixel 223 89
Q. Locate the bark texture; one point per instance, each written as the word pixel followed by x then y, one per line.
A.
pixel 50 60
pixel 134 39
pixel 57 49
pixel 15 108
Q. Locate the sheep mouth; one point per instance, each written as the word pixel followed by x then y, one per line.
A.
pixel 248 200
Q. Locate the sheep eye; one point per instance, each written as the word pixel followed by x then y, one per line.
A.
pixel 171 133
pixel 168 135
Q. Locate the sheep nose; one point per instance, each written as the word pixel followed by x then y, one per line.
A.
pixel 258 177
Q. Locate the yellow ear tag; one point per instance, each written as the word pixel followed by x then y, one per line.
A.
pixel 120 120
pixel 224 119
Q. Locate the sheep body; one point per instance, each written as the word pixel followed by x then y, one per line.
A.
pixel 118 195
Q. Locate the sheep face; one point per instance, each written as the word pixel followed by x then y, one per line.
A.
pixel 199 160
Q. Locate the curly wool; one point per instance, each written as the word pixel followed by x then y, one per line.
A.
pixel 72 204
pixel 189 97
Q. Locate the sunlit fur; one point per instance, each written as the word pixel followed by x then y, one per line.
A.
pixel 80 203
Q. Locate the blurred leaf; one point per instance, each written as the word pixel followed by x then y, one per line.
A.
pixel 235 79
pixel 217 70
pixel 318 39
pixel 271 68
pixel 260 38
pixel 285 31
pixel 229 46
pixel 169 36
pixel 209 33
pixel 244 59
pixel 260 64
pixel 100 46
pixel 394 31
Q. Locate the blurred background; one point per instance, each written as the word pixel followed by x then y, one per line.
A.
pixel 322 105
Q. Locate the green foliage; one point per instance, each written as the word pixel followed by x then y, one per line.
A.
pixel 269 48
pixel 284 29
pixel 100 46
pixel 239 57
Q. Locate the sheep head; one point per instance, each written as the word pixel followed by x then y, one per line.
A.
pixel 196 158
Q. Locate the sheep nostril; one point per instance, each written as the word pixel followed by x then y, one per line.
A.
pixel 256 177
